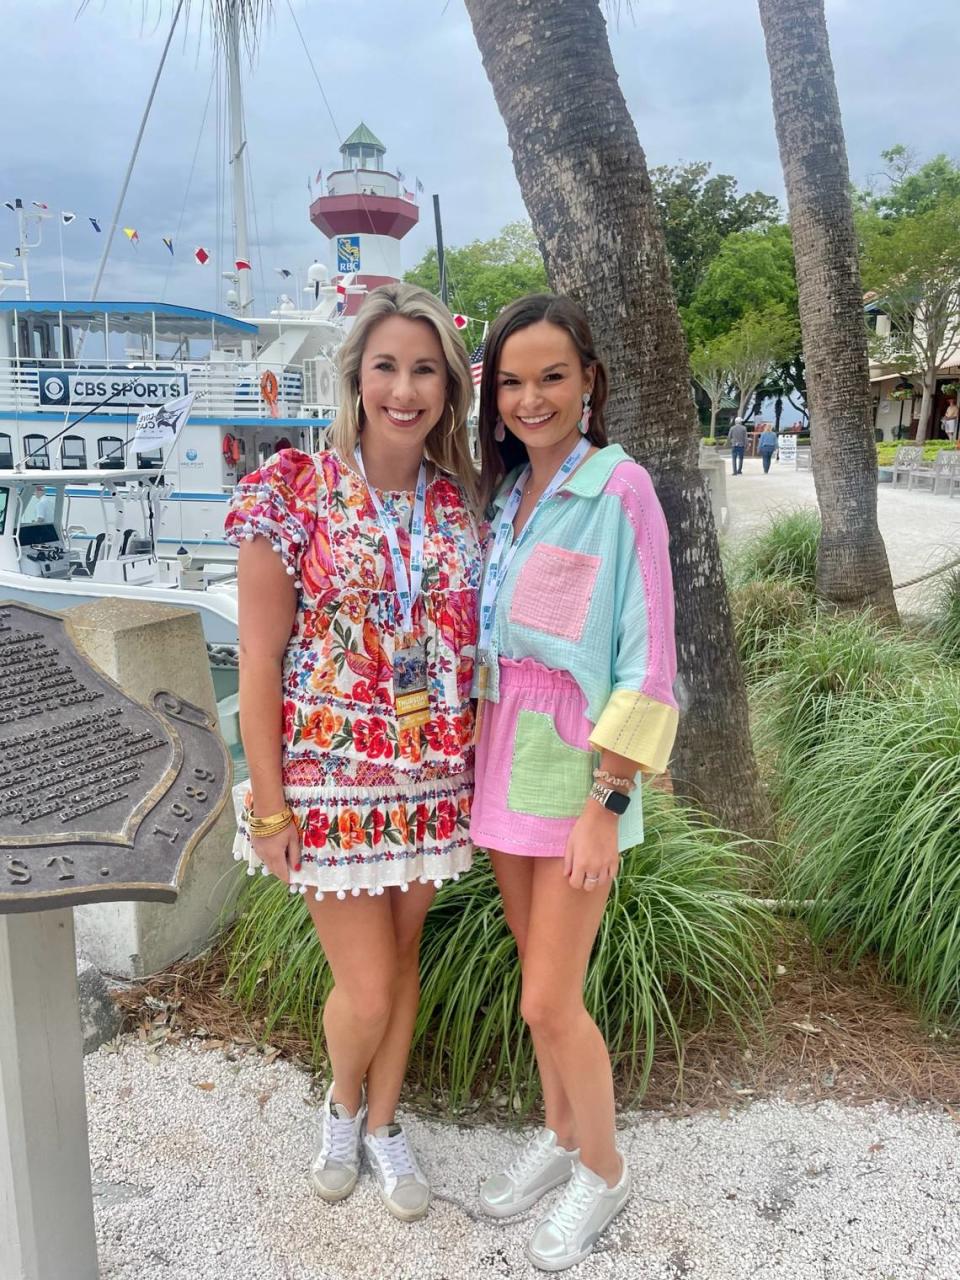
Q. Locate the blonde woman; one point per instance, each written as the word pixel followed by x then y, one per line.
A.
pixel 358 575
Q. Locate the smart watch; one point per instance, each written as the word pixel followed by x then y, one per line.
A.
pixel 615 801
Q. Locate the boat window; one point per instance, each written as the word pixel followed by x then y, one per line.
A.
pixel 6 450
pixel 4 500
pixel 152 460
pixel 37 508
pixel 35 452
pixel 109 451
pixel 73 453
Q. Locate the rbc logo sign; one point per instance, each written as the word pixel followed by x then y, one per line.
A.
pixel 348 254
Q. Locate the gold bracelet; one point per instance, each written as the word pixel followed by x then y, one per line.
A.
pixel 609 780
pixel 271 825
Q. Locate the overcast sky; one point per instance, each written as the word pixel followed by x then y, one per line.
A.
pixel 694 74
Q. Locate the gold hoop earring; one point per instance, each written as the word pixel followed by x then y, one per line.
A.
pixel 453 425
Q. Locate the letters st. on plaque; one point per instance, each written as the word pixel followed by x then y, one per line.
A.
pixel 101 797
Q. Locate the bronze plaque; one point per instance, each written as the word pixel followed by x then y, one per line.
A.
pixel 102 797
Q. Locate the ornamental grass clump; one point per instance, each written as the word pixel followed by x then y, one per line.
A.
pixel 680 944
pixel 762 612
pixel 875 832
pixel 785 550
pixel 816 670
pixel 945 623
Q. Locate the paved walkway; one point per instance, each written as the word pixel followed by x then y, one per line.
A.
pixel 920 531
pixel 199 1166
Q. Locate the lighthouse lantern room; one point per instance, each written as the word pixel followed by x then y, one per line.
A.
pixel 365 213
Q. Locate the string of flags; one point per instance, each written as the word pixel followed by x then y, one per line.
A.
pixel 201 254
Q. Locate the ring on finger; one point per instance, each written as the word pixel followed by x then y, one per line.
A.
pixel 591 879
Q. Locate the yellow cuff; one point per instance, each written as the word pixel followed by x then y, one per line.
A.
pixel 637 727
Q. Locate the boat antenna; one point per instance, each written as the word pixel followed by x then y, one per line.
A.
pixel 133 158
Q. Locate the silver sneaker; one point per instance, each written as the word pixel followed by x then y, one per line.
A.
pixel 336 1165
pixel 542 1165
pixel 569 1231
pixel 403 1186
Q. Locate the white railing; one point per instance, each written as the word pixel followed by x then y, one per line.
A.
pixel 228 388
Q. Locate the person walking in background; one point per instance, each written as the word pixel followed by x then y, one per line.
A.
pixel 737 437
pixel 768 446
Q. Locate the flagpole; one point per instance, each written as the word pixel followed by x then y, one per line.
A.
pixel 133 159
pixel 63 274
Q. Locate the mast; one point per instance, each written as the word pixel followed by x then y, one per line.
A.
pixel 231 40
pixel 441 261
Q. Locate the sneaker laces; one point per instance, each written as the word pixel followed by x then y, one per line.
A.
pixel 570 1209
pixel 395 1151
pixel 531 1158
pixel 341 1138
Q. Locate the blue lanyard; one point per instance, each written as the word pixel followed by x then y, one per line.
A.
pixel 408 589
pixel 502 556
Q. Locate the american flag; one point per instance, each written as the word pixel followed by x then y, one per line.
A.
pixel 476 363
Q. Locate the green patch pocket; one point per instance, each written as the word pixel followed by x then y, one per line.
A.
pixel 548 777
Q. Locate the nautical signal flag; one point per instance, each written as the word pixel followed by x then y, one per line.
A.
pixel 201 255
pixel 13 205
pixel 344 283
pixel 282 271
pixel 319 176
pixel 461 321
pixel 242 265
pixel 95 223
pixel 132 234
pixel 168 241
pixel 419 185
pixel 38 204
pixel 66 218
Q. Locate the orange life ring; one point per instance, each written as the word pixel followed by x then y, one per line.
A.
pixel 269 389
pixel 231 448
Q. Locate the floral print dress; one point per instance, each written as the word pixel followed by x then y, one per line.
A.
pixel 376 806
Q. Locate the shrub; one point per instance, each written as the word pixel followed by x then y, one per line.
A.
pixel 887 450
pixel 813 671
pixel 875 829
pixel 786 550
pixel 762 612
pixel 679 944
pixel 945 623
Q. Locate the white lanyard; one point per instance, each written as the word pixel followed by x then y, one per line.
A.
pixel 502 557
pixel 408 589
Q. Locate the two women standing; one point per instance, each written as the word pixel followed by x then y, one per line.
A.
pixel 357 669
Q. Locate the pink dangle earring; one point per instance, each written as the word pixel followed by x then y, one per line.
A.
pixel 499 431
pixel 583 426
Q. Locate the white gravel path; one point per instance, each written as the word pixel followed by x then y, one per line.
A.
pixel 200 1183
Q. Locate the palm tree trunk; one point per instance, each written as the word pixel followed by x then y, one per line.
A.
pixel 583 177
pixel 852 568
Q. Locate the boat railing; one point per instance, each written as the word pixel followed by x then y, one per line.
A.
pixel 231 388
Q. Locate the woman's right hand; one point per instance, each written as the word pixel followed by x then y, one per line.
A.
pixel 280 853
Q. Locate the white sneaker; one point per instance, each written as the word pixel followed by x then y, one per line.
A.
pixel 336 1166
pixel 403 1186
pixel 569 1231
pixel 542 1165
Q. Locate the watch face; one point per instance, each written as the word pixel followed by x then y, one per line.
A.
pixel 617 802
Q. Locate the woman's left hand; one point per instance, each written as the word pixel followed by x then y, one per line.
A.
pixel 591 859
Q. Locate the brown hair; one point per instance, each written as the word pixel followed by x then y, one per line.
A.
pixel 497 460
pixel 448 444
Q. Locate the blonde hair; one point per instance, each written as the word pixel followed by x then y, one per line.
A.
pixel 447 445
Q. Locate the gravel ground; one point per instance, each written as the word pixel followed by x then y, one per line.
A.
pixel 199 1166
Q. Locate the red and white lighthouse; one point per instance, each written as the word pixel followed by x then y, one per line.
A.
pixel 365 214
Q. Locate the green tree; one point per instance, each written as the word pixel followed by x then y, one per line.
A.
pixel 710 366
pixel 484 276
pixel 698 211
pixel 912 262
pixel 758 343
pixel 913 188
pixel 752 270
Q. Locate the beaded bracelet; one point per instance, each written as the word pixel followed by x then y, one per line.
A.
pixel 610 780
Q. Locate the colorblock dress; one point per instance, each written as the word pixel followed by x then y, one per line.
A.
pixel 582 658
pixel 376 805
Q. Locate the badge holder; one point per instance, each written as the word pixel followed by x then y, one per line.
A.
pixel 411 688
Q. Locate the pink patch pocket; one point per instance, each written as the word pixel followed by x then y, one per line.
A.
pixel 553 591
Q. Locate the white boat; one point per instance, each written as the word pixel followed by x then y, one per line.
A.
pixel 74 376
pixel 48 557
